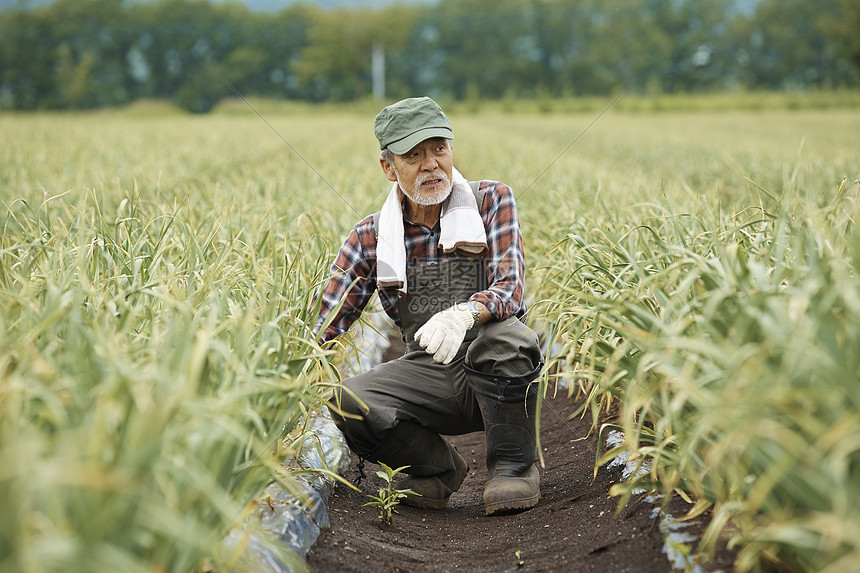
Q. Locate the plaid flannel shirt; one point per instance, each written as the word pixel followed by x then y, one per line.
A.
pixel 353 274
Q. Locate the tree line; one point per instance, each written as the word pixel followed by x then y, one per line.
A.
pixel 75 54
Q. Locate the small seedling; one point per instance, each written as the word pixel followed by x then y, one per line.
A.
pixel 519 555
pixel 388 498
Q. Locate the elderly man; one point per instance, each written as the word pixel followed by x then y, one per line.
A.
pixel 446 257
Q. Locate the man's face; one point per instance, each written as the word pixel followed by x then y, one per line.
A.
pixel 425 172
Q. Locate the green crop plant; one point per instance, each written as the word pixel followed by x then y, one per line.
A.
pixel 151 364
pixel 388 498
pixel 727 340
pixel 155 351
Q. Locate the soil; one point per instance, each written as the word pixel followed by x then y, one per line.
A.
pixel 574 527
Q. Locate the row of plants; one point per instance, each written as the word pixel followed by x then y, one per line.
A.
pixel 726 340
pixel 156 368
pixel 157 277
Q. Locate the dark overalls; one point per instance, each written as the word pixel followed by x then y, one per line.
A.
pixel 494 367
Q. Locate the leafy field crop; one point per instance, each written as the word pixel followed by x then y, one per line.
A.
pixel 718 307
pixel 156 274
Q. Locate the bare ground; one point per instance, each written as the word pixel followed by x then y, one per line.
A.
pixel 575 527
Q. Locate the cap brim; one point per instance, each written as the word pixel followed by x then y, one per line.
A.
pixel 403 145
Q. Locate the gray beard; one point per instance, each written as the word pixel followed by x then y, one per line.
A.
pixel 418 197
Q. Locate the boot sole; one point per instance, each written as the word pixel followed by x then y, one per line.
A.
pixel 512 506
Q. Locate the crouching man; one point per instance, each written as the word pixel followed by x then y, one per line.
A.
pixel 446 256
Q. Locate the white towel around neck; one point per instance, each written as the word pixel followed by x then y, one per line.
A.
pixel 462 230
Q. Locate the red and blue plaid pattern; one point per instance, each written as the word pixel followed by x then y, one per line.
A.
pixel 353 273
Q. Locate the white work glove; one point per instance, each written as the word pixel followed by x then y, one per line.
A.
pixel 443 334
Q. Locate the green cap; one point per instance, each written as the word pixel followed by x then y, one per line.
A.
pixel 403 125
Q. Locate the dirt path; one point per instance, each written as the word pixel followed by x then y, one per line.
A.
pixel 573 528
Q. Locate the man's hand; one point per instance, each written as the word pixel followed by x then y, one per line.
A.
pixel 442 335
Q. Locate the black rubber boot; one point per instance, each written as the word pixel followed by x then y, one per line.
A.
pixel 436 469
pixel 508 407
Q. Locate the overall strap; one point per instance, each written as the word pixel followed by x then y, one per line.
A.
pixel 479 193
pixel 476 190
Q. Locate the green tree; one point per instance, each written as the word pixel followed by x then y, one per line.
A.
pixel 393 29
pixel 480 43
pixel 26 70
pixel 281 37
pixel 183 40
pixel 777 59
pixel 846 31
pixel 89 45
pixel 336 63
pixel 89 53
pixel 699 55
pixel 74 77
pixel 561 35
